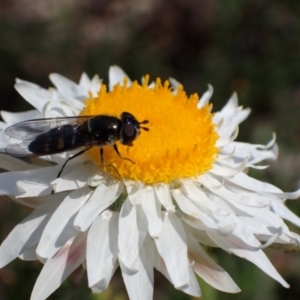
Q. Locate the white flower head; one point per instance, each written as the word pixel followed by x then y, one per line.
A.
pixel 182 185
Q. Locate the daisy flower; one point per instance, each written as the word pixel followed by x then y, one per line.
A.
pixel 183 187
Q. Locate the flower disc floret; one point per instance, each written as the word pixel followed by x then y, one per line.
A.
pixel 181 139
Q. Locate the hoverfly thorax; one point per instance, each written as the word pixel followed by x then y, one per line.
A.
pixel 106 129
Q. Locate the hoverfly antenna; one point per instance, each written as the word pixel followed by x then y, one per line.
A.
pixel 144 122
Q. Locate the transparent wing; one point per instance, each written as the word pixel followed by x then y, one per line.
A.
pixel 20 150
pixel 29 130
pixel 45 136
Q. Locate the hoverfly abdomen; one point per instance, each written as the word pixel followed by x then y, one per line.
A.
pixel 56 140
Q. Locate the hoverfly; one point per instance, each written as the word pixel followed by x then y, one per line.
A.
pixel 55 135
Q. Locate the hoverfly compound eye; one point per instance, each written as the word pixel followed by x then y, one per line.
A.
pixel 129 133
pixel 129 129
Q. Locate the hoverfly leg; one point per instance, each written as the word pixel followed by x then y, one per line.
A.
pixel 75 155
pixel 101 156
pixel 102 161
pixel 117 150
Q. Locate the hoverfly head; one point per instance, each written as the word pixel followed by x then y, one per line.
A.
pixel 130 128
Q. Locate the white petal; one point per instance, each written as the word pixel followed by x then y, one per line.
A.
pixel 232 116
pixel 228 138
pixel 29 255
pixel 67 87
pixel 152 208
pixel 231 105
pixel 264 214
pixel 282 211
pixel 192 288
pixel 207 269
pixel 18 80
pixel 102 250
pixel 60 159
pixel 139 283
pixel 171 245
pixel 98 287
pixel 198 197
pixel 84 81
pixel 8 179
pixel 225 216
pixel 224 171
pixel 232 112
pixel 62 108
pixel 158 261
pixel 196 228
pixel 253 152
pixel 60 228
pixel 206 96
pixel 95 86
pixel 10 163
pixel 28 232
pixel 247 182
pixel 116 75
pixel 248 198
pixel 36 183
pixel 3 125
pixel 191 209
pixel 245 235
pixel 241 196
pixel 175 84
pixel 35 95
pixel 74 176
pixel 243 205
pixel 4 139
pixel 164 196
pixel 34 202
pixel 257 257
pixel 287 195
pixel 230 124
pixel 135 192
pixel 103 196
pixel 208 180
pixel 132 232
pixel 13 118
pixel 58 268
pixel 259 227
pixel 98 178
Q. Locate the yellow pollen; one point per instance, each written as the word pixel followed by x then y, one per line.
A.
pixel 180 143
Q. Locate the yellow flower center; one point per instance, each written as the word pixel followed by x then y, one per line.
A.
pixel 180 143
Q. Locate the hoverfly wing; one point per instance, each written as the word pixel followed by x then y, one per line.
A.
pixel 32 128
pixel 45 136
pixel 19 150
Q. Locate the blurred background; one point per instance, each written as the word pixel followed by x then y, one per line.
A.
pixel 248 46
